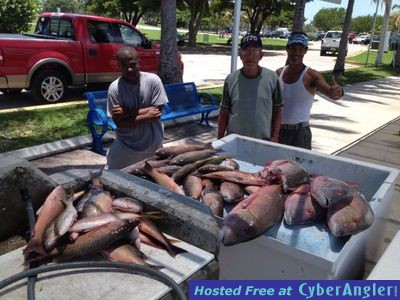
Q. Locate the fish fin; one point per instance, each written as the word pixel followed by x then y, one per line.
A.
pixel 147 167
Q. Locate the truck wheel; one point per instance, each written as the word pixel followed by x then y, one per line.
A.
pixel 48 86
pixel 11 91
pixel 322 53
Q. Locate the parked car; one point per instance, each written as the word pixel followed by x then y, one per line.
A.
pixel 70 49
pixel 362 39
pixel 282 33
pixel 330 43
pixel 351 37
pixel 320 35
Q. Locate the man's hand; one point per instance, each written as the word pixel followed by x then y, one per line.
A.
pixel 153 112
pixel 336 91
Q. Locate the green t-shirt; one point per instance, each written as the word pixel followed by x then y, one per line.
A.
pixel 250 102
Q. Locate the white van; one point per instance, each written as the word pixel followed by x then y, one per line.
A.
pixel 330 42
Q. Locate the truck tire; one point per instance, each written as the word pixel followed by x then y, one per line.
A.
pixel 48 86
pixel 322 53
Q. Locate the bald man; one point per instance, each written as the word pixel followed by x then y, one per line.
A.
pixel 134 102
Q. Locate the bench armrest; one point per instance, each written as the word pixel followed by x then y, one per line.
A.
pixel 210 99
pixel 97 114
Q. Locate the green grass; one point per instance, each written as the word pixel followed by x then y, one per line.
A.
pixel 33 127
pixel 26 128
pixel 361 58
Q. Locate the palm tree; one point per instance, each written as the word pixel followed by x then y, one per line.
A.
pixel 388 5
pixel 339 65
pixel 169 70
pixel 396 26
pixel 298 19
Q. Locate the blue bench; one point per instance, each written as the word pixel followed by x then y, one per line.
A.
pixel 184 100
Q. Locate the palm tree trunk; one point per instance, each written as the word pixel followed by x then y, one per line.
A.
pixel 339 65
pixel 169 70
pixel 299 15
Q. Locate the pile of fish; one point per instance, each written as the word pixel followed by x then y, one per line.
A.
pixel 94 222
pixel 282 189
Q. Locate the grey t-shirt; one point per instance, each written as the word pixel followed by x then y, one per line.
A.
pixel 149 92
pixel 250 102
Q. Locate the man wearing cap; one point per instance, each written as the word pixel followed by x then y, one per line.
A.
pixel 251 102
pixel 298 84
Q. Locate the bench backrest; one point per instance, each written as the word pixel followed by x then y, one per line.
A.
pixel 181 96
pixel 97 99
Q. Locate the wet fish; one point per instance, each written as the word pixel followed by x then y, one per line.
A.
pixel 148 227
pixel 95 187
pixel 213 199
pixel 231 192
pixel 236 176
pixel 348 219
pixel 51 208
pixel 162 179
pixel 192 186
pixel 99 203
pixel 230 163
pixel 253 216
pixel 137 169
pixel 250 189
pixel 94 240
pixel 287 172
pixel 92 222
pixel 67 217
pixel 169 170
pixel 209 168
pixel 127 254
pixel 191 167
pixel 328 191
pixel 127 204
pixel 300 208
pixel 173 151
pixel 190 157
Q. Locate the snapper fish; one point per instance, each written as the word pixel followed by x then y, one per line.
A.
pixel 328 191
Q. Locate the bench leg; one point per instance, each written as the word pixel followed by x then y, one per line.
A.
pixel 97 137
pixel 206 119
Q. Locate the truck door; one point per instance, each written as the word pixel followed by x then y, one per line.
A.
pixel 100 52
pixel 149 54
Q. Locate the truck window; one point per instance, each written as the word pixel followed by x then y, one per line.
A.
pixel 130 36
pixel 100 32
pixel 55 27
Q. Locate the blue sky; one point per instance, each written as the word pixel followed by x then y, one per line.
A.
pixel 361 7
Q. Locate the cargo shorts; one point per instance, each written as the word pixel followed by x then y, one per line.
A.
pixel 298 135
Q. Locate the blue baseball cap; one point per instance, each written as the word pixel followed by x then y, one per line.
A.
pixel 250 39
pixel 298 38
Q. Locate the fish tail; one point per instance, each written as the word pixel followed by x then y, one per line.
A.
pixel 34 251
pixel 147 168
pixel 175 250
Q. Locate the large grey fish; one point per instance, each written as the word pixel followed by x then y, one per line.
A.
pixel 190 157
pixel 328 191
pixel 189 168
pixel 300 208
pixel 240 177
pixel 51 208
pixel 162 179
pixel 287 172
pixel 252 216
pixel 94 240
pixel 173 151
pixel 209 168
pixel 348 219
pixel 231 192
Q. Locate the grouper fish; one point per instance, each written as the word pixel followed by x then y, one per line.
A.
pixel 253 216
pixel 348 219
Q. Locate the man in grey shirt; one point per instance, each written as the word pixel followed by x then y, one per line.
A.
pixel 251 101
pixel 134 102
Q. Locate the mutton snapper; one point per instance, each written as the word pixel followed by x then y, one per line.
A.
pixel 253 216
pixel 287 172
pixel 173 151
pixel 328 191
pixel 51 208
pixel 162 179
pixel 240 177
pixel 94 240
pixel 348 219
pixel 300 208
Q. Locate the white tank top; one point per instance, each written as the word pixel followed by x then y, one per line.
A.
pixel 297 100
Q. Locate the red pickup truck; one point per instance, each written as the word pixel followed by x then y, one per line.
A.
pixel 69 49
